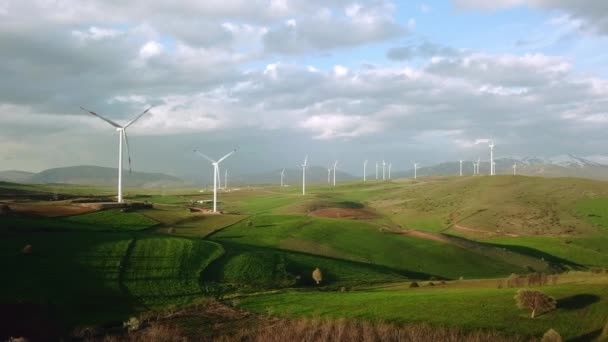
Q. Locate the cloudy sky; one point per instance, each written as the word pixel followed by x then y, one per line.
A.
pixel 335 79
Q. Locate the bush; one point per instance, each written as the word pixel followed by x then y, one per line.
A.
pixel 414 284
pixel 551 336
pixel 171 230
pixel 317 275
pixel 132 324
pixel 536 301
pixel 27 249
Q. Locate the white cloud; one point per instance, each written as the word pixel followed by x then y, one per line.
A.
pixel 96 33
pixel 340 71
pixel 150 49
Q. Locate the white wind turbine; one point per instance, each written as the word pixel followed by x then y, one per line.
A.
pixel 122 135
pixel 335 165
pixel 515 169
pixel 383 170
pixel 478 162
pixel 225 179
pixel 415 170
pixel 282 178
pixel 389 170
pixel 376 170
pixel 461 167
pixel 492 169
pixel 365 171
pixel 329 174
pixel 304 175
pixel 216 174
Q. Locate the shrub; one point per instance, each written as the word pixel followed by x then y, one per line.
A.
pixel 551 336
pixel 27 249
pixel 536 301
pixel 171 230
pixel 431 284
pixel 317 275
pixel 132 324
pixel 414 284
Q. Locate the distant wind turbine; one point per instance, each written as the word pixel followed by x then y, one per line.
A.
pixel 282 178
pixel 492 170
pixel 122 135
pixel 478 162
pixel 460 167
pixel 365 171
pixel 415 170
pixel 515 169
pixel 216 173
pixel 376 170
pixel 304 165
pixel 335 165
pixel 225 179
pixel 329 174
pixel 389 170
pixel 383 170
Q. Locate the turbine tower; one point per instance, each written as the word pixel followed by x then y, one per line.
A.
pixel 328 174
pixel 376 170
pixel 389 170
pixel 225 179
pixel 478 162
pixel 515 169
pixel 122 135
pixel 335 165
pixel 216 173
pixel 365 170
pixel 282 177
pixel 304 165
pixel 492 171
pixel 383 170
pixel 415 170
pixel 460 167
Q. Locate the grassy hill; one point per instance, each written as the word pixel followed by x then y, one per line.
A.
pixel 272 238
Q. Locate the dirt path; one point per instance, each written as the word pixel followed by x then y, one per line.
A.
pixel 466 229
pixel 347 213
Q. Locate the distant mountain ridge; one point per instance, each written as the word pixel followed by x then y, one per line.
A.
pixel 90 175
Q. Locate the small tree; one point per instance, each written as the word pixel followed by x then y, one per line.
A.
pixel 317 276
pixel 27 249
pixel 536 301
pixel 551 336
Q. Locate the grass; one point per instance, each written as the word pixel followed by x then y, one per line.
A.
pixel 361 242
pixel 166 270
pixel 113 220
pixel 594 210
pixel 468 309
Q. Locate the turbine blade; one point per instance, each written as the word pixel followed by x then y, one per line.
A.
pixel 305 161
pixel 124 133
pixel 204 156
pixel 102 118
pixel 137 118
pixel 226 156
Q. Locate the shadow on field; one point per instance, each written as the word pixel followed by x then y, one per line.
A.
pixel 590 336
pixel 557 263
pixel 578 301
pixel 301 264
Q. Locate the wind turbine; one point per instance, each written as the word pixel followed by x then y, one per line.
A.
pixel 383 170
pixel 328 174
pixel 461 167
pixel 122 135
pixel 415 170
pixel 376 170
pixel 474 168
pixel 492 170
pixel 282 177
pixel 389 170
pixel 304 175
pixel 216 174
pixel 478 162
pixel 225 179
pixel 515 169
pixel 365 170
pixel 335 165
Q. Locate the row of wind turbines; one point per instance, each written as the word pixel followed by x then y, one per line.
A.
pixel 123 137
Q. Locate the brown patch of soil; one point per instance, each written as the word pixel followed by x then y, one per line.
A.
pixel 347 213
pixel 50 210
pixel 426 236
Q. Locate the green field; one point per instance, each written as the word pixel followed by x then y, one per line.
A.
pixel 105 266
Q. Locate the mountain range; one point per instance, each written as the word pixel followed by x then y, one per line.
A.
pixel 593 167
